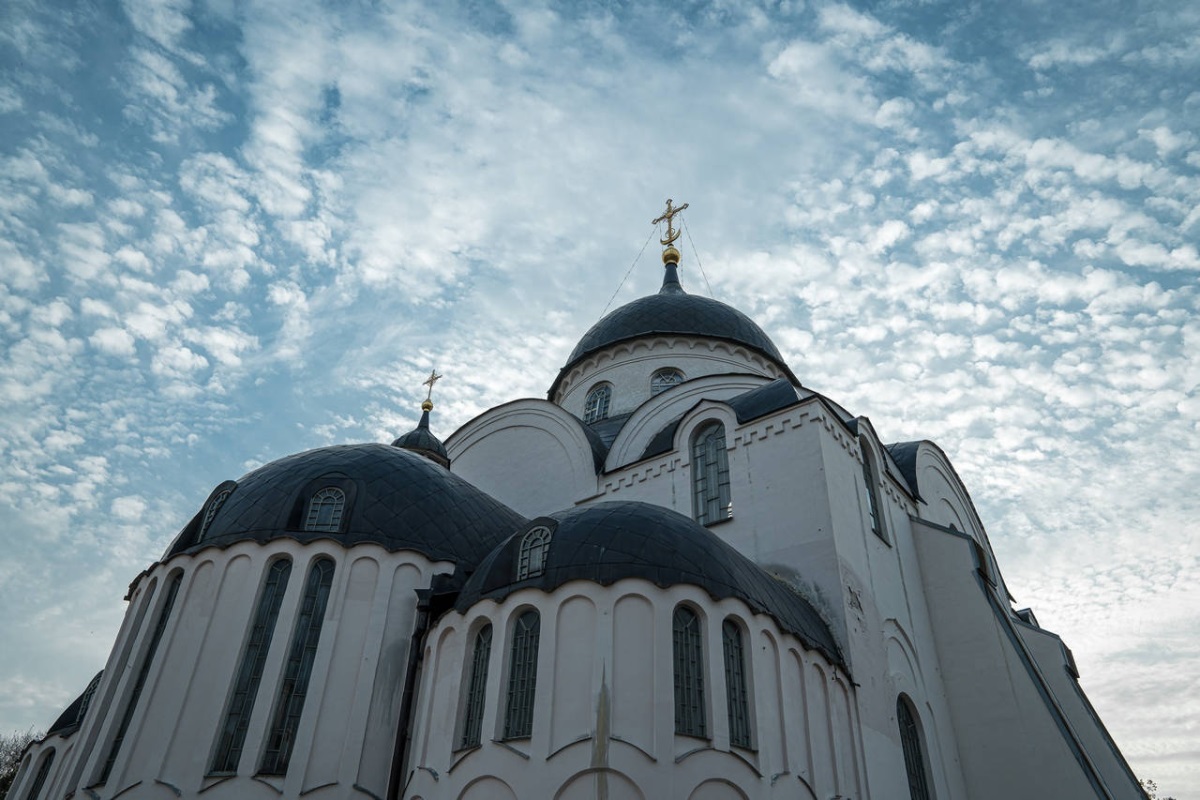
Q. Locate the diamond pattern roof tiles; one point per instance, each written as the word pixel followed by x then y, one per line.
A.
pixel 607 542
pixel 394 498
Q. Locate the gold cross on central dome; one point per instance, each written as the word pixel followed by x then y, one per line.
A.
pixel 430 381
pixel 669 218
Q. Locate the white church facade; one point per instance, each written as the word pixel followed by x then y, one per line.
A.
pixel 681 575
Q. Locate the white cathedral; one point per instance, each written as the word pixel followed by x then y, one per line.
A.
pixel 681 575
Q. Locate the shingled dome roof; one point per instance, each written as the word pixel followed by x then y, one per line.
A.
pixel 610 541
pixel 674 311
pixel 389 496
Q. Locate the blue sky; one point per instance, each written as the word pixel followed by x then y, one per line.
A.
pixel 235 230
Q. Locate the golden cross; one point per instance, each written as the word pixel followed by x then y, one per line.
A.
pixel 669 217
pixel 430 381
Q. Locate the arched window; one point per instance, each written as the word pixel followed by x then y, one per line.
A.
pixel 690 717
pixel 522 676
pixel 214 506
pixel 249 675
pixel 140 682
pixel 874 518
pixel 294 687
pixel 736 698
pixel 535 546
pixel 325 510
pixel 914 756
pixel 472 730
pixel 664 379
pixel 710 475
pixel 595 408
pixel 39 780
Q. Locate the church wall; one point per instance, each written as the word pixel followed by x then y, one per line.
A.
pixel 1003 713
pixel 530 455
pixel 1057 668
pixel 170 742
pixel 628 367
pixel 604 710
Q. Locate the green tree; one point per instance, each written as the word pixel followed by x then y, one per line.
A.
pixel 12 745
pixel 1151 790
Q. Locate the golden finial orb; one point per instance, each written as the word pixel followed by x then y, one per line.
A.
pixel 670 255
pixel 427 405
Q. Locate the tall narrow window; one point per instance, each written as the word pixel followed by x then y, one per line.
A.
pixel 249 674
pixel 664 379
pixel 39 780
pixel 325 510
pixel 914 757
pixel 214 506
pixel 143 671
pixel 710 475
pixel 522 676
pixel 535 546
pixel 477 688
pixel 595 408
pixel 736 699
pixel 690 718
pixel 872 489
pixel 281 736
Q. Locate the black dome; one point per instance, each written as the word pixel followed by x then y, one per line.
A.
pixel 421 440
pixel 393 497
pixel 673 311
pixel 607 542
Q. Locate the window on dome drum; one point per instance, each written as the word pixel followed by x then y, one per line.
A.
pixel 522 676
pixel 664 379
pixel 690 717
pixel 285 720
pixel 325 510
pixel 472 731
pixel 736 698
pixel 535 546
pixel 710 475
pixel 872 489
pixel 914 755
pixel 214 506
pixel 35 788
pixel 249 674
pixel 595 408
pixel 139 683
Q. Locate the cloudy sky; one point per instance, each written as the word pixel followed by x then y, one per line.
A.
pixel 235 230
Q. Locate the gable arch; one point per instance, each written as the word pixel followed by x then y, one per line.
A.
pixel 557 460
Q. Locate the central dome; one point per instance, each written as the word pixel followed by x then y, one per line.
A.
pixel 674 311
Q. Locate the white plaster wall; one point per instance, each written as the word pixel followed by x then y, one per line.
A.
pixel 348 728
pixel 530 455
pixel 604 713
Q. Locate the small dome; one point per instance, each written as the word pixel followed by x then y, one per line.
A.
pixel 610 541
pixel 389 496
pixel 674 311
pixel 421 440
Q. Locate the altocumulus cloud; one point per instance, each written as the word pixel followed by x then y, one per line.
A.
pixel 234 231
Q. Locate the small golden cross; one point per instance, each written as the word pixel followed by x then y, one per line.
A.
pixel 669 217
pixel 430 381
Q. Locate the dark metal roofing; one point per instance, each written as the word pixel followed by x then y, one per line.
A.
pixel 747 406
pixel 763 400
pixel 607 429
pixel 422 441
pixel 905 456
pixel 72 717
pixel 394 498
pixel 610 541
pixel 673 311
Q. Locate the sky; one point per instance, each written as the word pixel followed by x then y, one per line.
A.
pixel 230 231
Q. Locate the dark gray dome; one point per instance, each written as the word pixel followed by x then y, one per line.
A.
pixel 421 440
pixel 673 311
pixel 611 541
pixel 392 497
